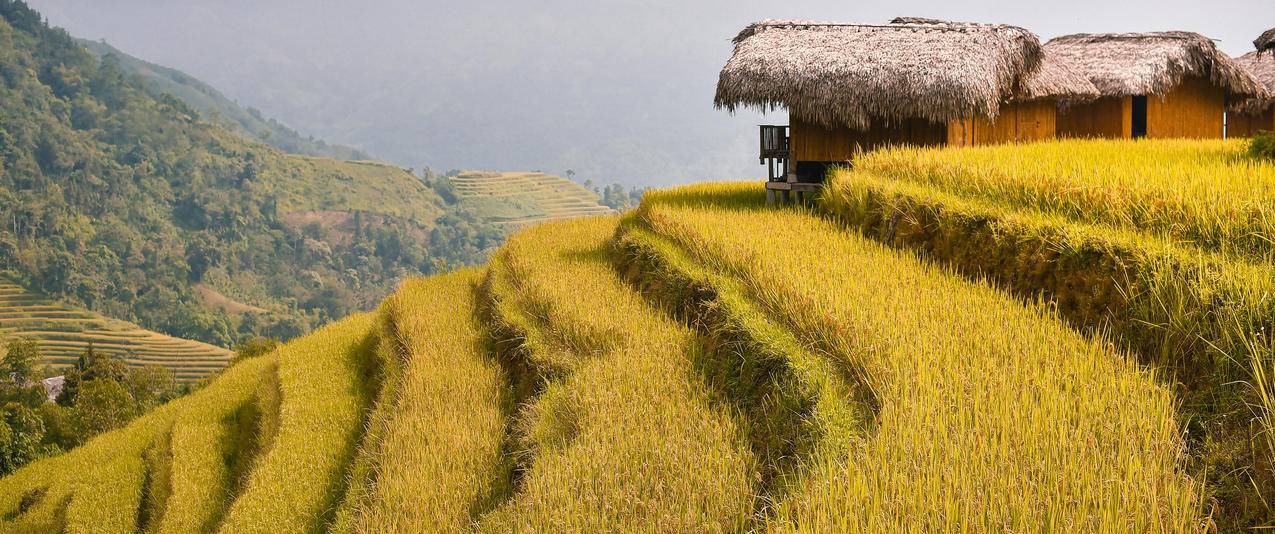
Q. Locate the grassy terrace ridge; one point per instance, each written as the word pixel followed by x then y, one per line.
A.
pixel 325 383
pixel 992 415
pixel 1207 192
pixel 617 432
pixel 1194 309
pixel 440 417
pixel 520 198
pixel 64 332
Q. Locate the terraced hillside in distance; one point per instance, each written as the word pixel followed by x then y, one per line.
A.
pixel 520 198
pixel 64 332
pixel 948 359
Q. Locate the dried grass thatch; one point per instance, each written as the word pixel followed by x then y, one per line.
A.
pixel 858 74
pixel 1266 41
pixel 1052 79
pixel 1125 64
pixel 1262 67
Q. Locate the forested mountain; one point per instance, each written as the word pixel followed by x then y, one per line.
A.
pixel 121 199
pixel 215 107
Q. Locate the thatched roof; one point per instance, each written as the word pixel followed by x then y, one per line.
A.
pixel 858 74
pixel 1124 64
pixel 1052 79
pixel 1262 67
pixel 1266 41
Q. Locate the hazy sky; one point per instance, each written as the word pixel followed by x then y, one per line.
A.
pixel 617 91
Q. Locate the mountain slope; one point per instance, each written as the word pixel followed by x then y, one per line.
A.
pixel 217 108
pixel 662 372
pixel 126 203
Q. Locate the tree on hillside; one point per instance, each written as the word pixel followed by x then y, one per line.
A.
pixel 258 346
pixel 101 405
pixel 91 365
pixel 21 432
pixel 151 386
pixel 20 357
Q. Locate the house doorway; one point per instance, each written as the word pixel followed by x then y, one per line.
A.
pixel 1139 116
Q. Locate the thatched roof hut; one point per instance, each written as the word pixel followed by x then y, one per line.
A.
pixel 1262 67
pixel 1266 41
pixel 1131 64
pixel 856 75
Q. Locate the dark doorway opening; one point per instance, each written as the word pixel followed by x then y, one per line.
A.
pixel 1139 116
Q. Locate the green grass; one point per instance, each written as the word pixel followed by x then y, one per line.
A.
pixel 319 184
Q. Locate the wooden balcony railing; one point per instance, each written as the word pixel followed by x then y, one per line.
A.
pixel 775 153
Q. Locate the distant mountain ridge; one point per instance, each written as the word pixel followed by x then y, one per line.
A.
pixel 123 195
pixel 216 107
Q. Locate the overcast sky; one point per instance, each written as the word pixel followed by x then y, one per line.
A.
pixel 615 90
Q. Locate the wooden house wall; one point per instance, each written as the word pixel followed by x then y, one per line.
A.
pixel 1193 109
pixel 1238 125
pixel 1017 122
pixel 812 142
pixel 1106 117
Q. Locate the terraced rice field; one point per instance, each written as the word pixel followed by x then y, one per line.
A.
pixel 1164 245
pixel 63 333
pixel 520 198
pixel 704 364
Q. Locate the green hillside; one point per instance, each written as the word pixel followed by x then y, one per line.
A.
pixel 63 333
pixel 520 198
pixel 710 363
pixel 121 200
pixel 217 108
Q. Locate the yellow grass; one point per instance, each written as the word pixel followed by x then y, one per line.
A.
pixel 519 198
pixel 63 333
pixel 98 487
pixel 1208 192
pixel 297 482
pixel 623 436
pixel 993 415
pixel 442 421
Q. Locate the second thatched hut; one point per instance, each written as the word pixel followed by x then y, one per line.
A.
pixel 1161 84
pixel 1243 119
pixel 852 87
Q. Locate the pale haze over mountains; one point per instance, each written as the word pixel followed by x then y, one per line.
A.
pixel 616 91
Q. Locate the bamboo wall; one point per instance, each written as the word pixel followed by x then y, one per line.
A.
pixel 1105 117
pixel 1017 122
pixel 1238 125
pixel 1193 109
pixel 811 142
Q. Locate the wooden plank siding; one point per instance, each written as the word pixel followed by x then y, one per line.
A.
pixel 1017 122
pixel 1238 125
pixel 1110 117
pixel 812 142
pixel 1193 109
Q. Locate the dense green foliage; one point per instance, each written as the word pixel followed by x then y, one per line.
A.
pixel 1262 145
pixel 125 203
